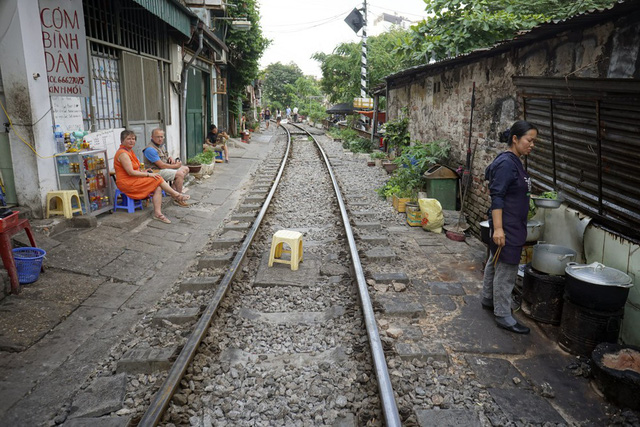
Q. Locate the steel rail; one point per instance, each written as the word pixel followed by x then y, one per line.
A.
pixel 389 406
pixel 160 402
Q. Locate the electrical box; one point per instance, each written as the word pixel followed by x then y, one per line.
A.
pixel 175 67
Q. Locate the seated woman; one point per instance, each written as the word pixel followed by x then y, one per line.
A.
pixel 138 184
pixel 217 141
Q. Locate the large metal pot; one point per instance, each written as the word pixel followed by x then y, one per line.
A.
pixel 552 259
pixel 597 286
pixel 534 231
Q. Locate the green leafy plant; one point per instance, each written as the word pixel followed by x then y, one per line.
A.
pixel 203 158
pixel 378 155
pixel 396 132
pixel 407 180
pixel 360 145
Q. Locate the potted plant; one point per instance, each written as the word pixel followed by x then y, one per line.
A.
pixel 378 157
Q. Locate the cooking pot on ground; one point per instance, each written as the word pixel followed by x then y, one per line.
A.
pixel 552 259
pixel 597 286
pixel 534 231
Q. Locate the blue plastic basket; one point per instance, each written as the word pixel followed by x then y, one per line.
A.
pixel 28 263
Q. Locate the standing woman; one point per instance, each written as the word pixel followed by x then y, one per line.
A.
pixel 138 184
pixel 510 187
pixel 267 116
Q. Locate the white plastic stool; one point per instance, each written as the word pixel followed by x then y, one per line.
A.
pixel 291 238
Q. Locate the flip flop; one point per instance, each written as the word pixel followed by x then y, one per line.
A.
pixel 181 203
pixel 162 218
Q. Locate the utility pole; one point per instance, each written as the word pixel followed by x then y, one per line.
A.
pixel 363 63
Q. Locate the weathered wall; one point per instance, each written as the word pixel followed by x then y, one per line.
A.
pixel 439 98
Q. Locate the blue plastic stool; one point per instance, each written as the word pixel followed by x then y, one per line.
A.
pixel 126 203
pixel 218 156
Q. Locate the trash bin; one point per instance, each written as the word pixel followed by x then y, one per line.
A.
pixel 442 184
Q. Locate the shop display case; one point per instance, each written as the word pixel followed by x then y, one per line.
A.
pixel 88 173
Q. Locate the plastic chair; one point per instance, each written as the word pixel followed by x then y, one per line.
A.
pixel 218 157
pixel 64 203
pixel 294 240
pixel 130 205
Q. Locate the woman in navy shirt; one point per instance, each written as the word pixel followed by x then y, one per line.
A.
pixel 510 187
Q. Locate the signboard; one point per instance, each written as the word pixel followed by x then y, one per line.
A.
pixel 108 139
pixel 355 20
pixel 67 112
pixel 65 47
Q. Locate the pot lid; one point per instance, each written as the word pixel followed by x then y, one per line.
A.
pixel 598 274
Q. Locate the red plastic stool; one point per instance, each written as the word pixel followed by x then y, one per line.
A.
pixel 7 254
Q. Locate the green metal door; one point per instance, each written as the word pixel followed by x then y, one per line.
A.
pixel 195 112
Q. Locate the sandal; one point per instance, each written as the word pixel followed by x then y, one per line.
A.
pixel 181 197
pixel 162 218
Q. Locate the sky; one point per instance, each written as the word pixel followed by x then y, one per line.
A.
pixel 299 28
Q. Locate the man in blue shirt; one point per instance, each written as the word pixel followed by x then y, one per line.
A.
pixel 171 170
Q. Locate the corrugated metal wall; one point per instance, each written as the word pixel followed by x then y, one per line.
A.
pixel 588 146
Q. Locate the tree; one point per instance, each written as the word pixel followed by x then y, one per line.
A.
pixel 276 77
pixel 245 50
pixel 457 28
pixel 306 95
pixel 341 69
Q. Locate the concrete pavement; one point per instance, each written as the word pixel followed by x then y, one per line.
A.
pixel 99 281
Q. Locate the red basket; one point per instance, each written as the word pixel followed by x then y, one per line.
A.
pixel 9 221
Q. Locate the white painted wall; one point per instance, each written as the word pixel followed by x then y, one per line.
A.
pixel 27 102
pixel 172 135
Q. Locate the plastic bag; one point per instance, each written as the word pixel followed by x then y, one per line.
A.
pixel 432 217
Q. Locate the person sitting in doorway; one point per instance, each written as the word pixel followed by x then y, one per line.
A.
pixel 137 183
pixel 217 141
pixel 169 169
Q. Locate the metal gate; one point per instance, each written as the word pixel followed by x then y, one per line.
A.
pixel 196 94
pixel 144 106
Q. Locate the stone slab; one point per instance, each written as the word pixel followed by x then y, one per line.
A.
pixel 146 360
pixel 439 288
pixel 241 226
pixel 390 277
pixel 437 303
pixel 335 356
pixel 493 372
pixel 177 316
pixel 85 256
pixel 385 254
pixel 447 418
pixel 196 284
pixel 215 261
pixel 329 268
pixel 225 243
pixel 255 198
pixel 299 318
pixel 367 214
pixel 216 197
pixel 573 395
pixel 525 406
pixel 474 330
pixel 367 225
pixel 99 422
pixel 422 351
pixel 248 207
pixel 399 305
pixel 243 217
pixel 130 266
pixel 308 273
pixel 103 396
pixel 111 295
pixel 374 240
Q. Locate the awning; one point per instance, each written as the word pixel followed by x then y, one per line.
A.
pixel 382 116
pixel 344 108
pixel 171 12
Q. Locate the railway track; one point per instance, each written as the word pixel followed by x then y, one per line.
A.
pixel 281 347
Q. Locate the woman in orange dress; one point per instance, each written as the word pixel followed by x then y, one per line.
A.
pixel 138 184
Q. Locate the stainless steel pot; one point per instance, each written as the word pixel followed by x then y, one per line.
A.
pixel 552 259
pixel 597 286
pixel 534 230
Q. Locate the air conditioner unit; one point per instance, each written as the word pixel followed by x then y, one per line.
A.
pixel 175 66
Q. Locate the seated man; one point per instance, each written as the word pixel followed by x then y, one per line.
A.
pixel 217 141
pixel 169 169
